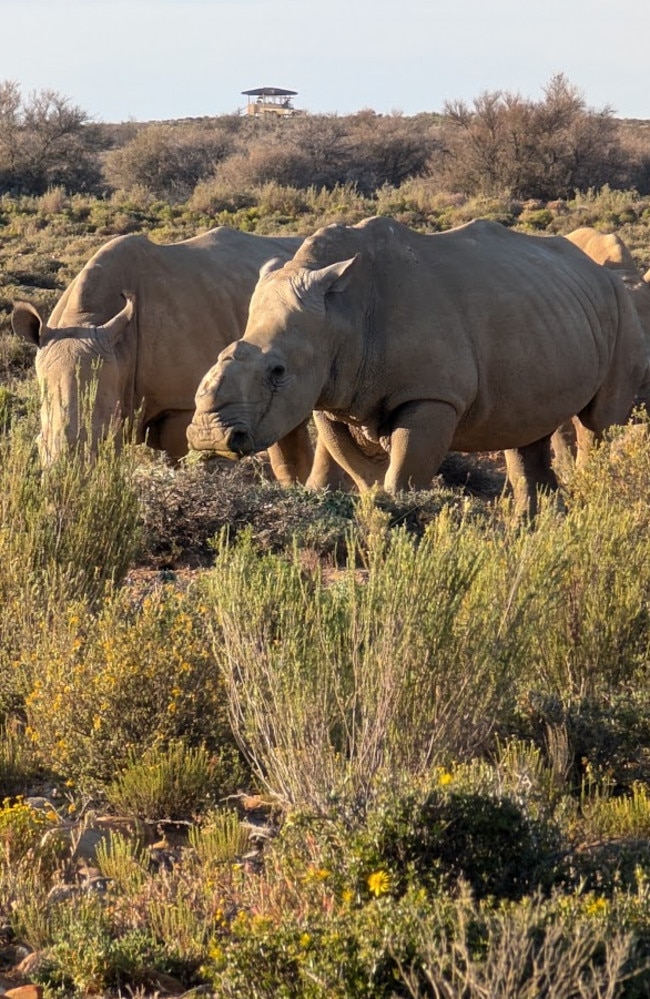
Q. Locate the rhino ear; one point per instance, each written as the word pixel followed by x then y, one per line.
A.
pixel 274 264
pixel 26 322
pixel 115 328
pixel 334 278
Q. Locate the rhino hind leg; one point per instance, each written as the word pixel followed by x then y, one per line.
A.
pixel 326 473
pixel 529 471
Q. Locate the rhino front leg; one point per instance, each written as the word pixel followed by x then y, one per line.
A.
pixel 529 470
pixel 337 449
pixel 326 473
pixel 169 433
pixel 292 457
pixel 420 438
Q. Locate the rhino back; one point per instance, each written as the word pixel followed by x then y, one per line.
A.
pixel 502 326
pixel 191 301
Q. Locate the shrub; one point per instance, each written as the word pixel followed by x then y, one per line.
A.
pixel 65 535
pixel 106 688
pixel 173 782
pixel 323 680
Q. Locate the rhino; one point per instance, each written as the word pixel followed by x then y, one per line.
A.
pixel 146 320
pixel 608 250
pixel 475 339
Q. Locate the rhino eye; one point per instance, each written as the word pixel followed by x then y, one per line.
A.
pixel 277 373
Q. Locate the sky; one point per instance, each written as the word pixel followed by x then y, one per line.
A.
pixel 144 60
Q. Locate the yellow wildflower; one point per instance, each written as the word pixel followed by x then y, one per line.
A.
pixel 597 907
pixel 317 874
pixel 379 883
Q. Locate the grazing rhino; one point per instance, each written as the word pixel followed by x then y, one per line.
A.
pixel 608 250
pixel 475 339
pixel 184 302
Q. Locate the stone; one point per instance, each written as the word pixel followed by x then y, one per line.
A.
pixel 26 992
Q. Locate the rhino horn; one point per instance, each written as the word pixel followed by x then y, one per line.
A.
pixel 115 328
pixel 26 322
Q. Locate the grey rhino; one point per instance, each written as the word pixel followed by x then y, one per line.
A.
pixel 184 302
pixel 475 339
pixel 608 250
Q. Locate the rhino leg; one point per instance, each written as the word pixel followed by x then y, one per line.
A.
pixel 564 445
pixel 586 439
pixel 292 457
pixel 338 448
pixel 169 433
pixel 326 473
pixel 420 438
pixel 529 470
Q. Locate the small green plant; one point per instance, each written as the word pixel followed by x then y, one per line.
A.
pixel 171 782
pixel 604 816
pixel 124 860
pixel 220 839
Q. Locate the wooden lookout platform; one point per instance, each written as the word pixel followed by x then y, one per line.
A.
pixel 270 100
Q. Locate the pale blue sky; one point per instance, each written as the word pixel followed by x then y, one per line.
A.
pixel 158 59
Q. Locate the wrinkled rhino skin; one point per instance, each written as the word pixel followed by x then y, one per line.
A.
pixel 608 250
pixel 146 320
pixel 475 339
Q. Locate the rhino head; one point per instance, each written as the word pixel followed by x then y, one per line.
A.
pixel 82 380
pixel 266 384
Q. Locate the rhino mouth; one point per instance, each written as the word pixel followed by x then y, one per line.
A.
pixel 228 442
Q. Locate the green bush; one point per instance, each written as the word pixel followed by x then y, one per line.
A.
pixel 174 782
pixel 128 680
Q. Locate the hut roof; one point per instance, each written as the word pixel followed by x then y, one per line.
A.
pixel 269 92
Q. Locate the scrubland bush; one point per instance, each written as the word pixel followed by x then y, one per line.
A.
pixel 507 144
pixel 177 780
pixel 46 141
pixel 66 535
pixel 127 681
pixel 431 837
pixel 167 161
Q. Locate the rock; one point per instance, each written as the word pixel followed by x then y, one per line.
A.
pixel 26 992
pixel 78 841
pixel 163 983
pixel 30 965
pixel 38 802
pixel 60 893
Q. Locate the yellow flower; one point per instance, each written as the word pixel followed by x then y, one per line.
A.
pixel 379 883
pixel 305 940
pixel 347 896
pixel 444 777
pixel 215 952
pixel 317 874
pixel 597 907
